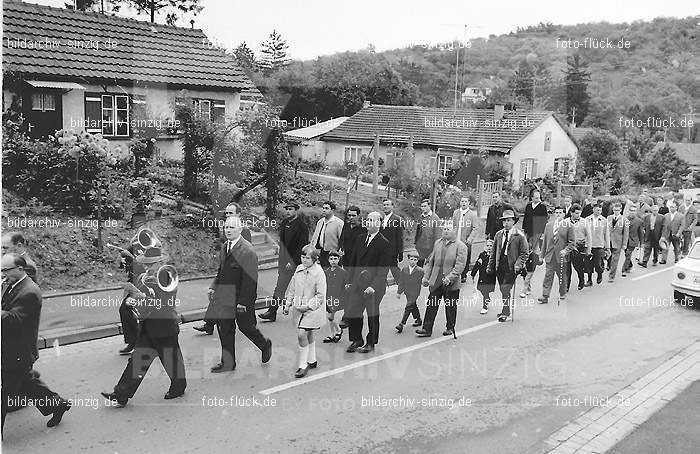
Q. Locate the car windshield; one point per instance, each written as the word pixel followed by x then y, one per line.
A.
pixel 695 251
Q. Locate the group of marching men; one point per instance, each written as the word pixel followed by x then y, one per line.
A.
pixel 343 267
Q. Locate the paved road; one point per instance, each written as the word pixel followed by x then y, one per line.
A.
pixel 498 388
pixel 673 430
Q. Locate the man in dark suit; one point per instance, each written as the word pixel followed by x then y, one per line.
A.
pixel 494 222
pixel 559 242
pixel 442 276
pixel 653 229
pixel 427 231
pixel 507 259
pixel 673 232
pixel 14 242
pixel 352 229
pixel 155 299
pixel 232 209
pixel 392 230
pixel 635 238
pixel 21 311
pixel 294 235
pixel 367 272
pixel 233 294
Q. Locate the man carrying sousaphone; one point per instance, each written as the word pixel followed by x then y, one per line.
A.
pixel 153 296
pixel 143 239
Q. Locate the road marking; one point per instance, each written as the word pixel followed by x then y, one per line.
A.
pixel 653 273
pixel 348 367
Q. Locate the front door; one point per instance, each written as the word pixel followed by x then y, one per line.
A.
pixel 43 110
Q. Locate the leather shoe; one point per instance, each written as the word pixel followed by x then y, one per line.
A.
pixel 448 332
pixel 269 316
pixel 423 333
pixel 543 300
pixel 369 348
pixel 353 347
pixel 589 283
pixel 580 286
pixel 399 328
pixel 172 394
pixel 205 329
pixel 126 350
pixel 599 279
pixel 313 365
pixel 55 420
pixel 222 368
pixel 418 322
pixel 121 401
pixel 267 352
pixel 643 265
pixel 301 372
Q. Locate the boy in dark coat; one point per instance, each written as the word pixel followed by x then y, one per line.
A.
pixel 487 282
pixel 410 284
pixel 336 278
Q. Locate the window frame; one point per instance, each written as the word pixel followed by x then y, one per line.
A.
pixel 43 96
pixel 114 123
pixel 442 169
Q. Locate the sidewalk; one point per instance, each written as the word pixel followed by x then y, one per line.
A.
pixel 601 427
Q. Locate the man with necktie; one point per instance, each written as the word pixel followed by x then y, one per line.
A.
pixel 600 241
pixel 619 236
pixel 673 232
pixel 653 229
pixel 559 242
pixel 507 258
pixel 427 231
pixel 392 230
pixel 466 222
pixel 367 271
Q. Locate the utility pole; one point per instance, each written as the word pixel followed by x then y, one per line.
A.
pixel 375 166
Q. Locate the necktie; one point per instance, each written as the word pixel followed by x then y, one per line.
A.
pixel 321 236
pixel 229 245
pixel 367 242
pixel 614 221
pixel 556 229
pixel 505 244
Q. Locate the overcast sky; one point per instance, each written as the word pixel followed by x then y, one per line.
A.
pixel 321 27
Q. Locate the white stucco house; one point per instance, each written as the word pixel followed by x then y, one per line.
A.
pixel 533 142
pixel 86 71
pixel 305 142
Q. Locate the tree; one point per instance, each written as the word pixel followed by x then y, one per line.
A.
pixel 577 98
pixel 521 83
pixel 84 5
pixel 245 58
pixel 662 167
pixel 175 8
pixel 274 53
pixel 600 160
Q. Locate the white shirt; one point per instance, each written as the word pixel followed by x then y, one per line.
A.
pixel 410 269
pixel 386 219
pixel 231 243
pixel 15 284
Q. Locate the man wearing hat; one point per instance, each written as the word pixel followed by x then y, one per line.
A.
pixel 294 235
pixel 155 302
pixel 507 259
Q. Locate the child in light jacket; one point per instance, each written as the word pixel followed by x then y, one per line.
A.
pixel 306 294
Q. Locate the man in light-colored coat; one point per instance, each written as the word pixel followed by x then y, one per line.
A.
pixel 559 242
pixel 442 276
pixel 466 223
pixel 326 237
pixel 619 229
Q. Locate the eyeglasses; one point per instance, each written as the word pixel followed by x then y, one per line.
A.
pixel 4 270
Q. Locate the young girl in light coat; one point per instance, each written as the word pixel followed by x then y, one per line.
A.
pixel 306 294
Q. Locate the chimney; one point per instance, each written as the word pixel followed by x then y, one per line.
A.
pixel 365 104
pixel 498 112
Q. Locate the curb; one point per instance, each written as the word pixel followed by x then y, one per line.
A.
pixel 47 340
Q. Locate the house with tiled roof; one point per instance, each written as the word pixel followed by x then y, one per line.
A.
pixel 98 73
pixel 305 143
pixel 534 143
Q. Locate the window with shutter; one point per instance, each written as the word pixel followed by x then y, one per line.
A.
pixel 93 113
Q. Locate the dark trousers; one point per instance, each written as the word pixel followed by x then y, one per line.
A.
pixel 451 298
pixel 465 273
pixel 650 246
pixel 627 265
pixel 410 309
pixel 227 334
pixel 20 384
pixel 686 241
pixel 284 276
pixel 506 280
pixel 146 350
pixel 596 262
pixel 130 324
pixel 485 290
pixel 578 262
pixel 359 304
pixel 323 259
pixel 674 241
pixel 423 254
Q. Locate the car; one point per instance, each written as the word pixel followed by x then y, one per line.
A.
pixel 686 277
